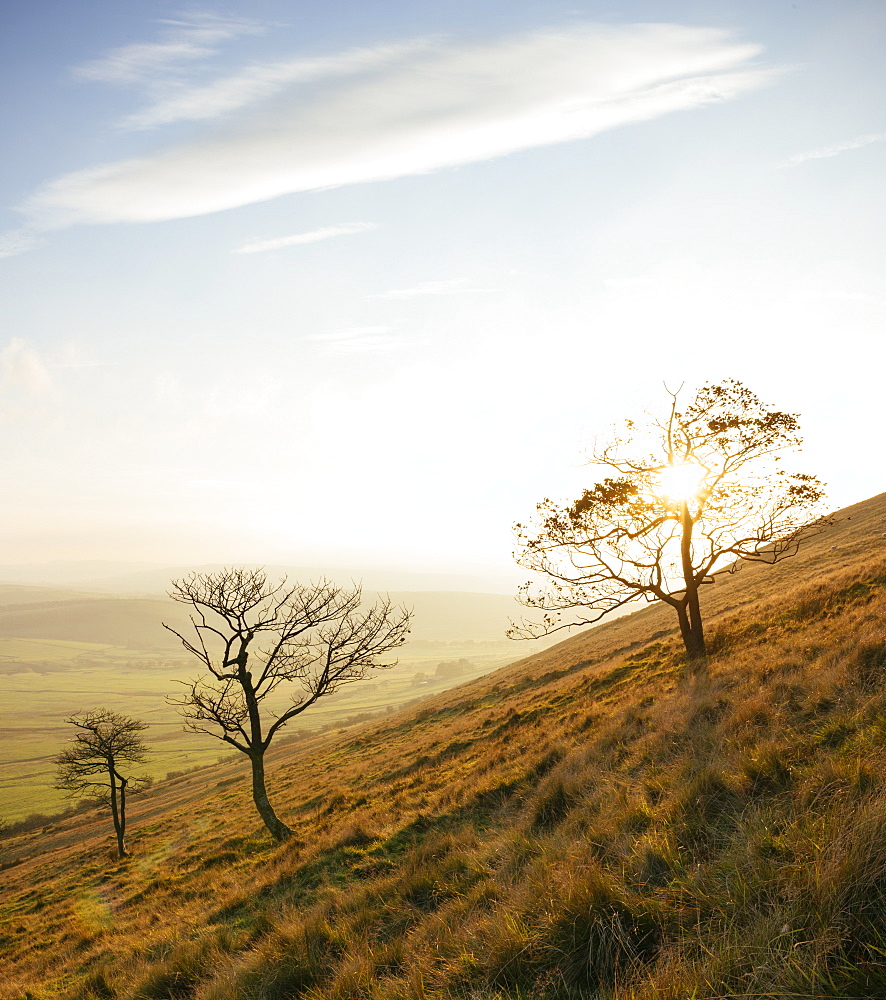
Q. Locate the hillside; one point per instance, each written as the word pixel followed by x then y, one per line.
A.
pixel 586 822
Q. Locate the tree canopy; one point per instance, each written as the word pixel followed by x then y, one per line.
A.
pixel 681 496
pixel 253 636
pixel 106 745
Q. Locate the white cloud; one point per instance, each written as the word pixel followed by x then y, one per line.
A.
pixel 314 236
pixel 451 104
pixel 16 241
pixel 835 149
pixel 260 82
pixel 447 287
pixel 22 370
pixel 186 39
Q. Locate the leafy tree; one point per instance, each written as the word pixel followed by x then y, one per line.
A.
pixel 254 637
pixel 105 743
pixel 453 668
pixel 684 495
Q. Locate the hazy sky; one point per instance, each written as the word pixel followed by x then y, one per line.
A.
pixel 359 281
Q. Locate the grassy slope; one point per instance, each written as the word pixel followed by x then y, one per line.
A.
pixel 586 822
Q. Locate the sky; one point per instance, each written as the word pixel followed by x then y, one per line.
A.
pixel 359 283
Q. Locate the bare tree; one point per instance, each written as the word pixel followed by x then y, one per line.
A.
pixel 254 637
pixel 694 492
pixel 104 743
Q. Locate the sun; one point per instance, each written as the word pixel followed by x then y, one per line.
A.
pixel 681 482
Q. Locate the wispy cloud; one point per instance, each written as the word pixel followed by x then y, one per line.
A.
pixel 835 149
pixel 184 39
pixel 412 113
pixel 261 82
pixel 16 241
pixel 359 339
pixel 314 236
pixel 424 288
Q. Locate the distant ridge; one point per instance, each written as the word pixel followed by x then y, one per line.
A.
pixel 50 613
pixel 152 579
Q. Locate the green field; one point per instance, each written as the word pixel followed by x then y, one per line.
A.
pixel 19 652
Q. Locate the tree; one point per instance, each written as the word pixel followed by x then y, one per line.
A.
pixel 253 637
pixel 105 742
pixel 683 496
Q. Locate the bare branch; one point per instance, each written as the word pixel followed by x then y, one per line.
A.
pixel 254 637
pixel 105 745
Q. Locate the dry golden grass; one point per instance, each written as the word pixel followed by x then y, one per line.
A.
pixel 587 822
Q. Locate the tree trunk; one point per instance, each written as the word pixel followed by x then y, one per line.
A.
pixel 691 626
pixel 115 812
pixel 278 830
pixel 121 838
pixel 693 640
pixel 696 651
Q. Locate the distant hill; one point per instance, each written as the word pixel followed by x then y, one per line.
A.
pixel 117 621
pixel 81 574
pixel 13 595
pixel 152 580
pixel 44 613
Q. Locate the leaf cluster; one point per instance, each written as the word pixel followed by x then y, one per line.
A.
pixel 625 539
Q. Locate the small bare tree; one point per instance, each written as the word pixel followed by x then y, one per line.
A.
pixel 104 743
pixel 696 491
pixel 254 637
